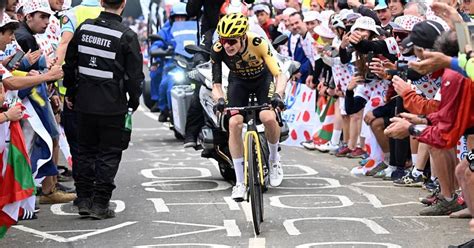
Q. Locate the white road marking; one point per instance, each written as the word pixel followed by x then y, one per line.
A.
pixel 388 245
pixel 247 211
pixel 375 184
pixel 72 231
pixel 256 242
pixel 308 171
pixel 343 200
pixel 374 200
pixel 229 226
pixel 165 185
pixel 232 228
pixel 160 205
pixel 60 239
pixel 372 225
pixel 231 203
pixel 150 173
pixel 331 183
pixel 184 245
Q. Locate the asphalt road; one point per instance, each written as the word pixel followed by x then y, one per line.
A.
pixel 167 196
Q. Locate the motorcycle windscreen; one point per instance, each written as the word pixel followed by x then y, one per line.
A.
pixel 184 33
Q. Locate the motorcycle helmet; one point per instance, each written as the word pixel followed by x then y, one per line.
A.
pixel 232 26
pixel 179 9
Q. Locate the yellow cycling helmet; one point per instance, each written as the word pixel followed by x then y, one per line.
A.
pixel 232 25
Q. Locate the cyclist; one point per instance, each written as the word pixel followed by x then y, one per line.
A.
pixel 252 68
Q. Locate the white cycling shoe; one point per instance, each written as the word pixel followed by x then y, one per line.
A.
pixel 276 173
pixel 238 192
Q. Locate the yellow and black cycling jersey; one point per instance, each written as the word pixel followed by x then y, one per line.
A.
pixel 247 65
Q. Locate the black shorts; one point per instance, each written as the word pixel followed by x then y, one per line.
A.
pixel 239 90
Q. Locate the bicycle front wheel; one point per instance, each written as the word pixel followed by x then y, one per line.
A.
pixel 255 188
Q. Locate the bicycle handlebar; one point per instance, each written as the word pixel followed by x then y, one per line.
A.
pixel 255 108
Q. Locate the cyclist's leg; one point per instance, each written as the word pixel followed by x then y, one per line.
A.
pixel 264 93
pixel 237 96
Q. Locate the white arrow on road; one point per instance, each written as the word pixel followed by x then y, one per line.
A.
pixel 230 226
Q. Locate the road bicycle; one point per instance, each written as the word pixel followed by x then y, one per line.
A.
pixel 256 160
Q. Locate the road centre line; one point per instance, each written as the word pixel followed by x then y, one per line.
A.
pixel 256 242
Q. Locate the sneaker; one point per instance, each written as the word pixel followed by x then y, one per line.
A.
pixel 334 152
pixel 385 173
pixel 378 168
pixel 276 174
pixel 431 185
pixel 409 181
pixel 328 146
pixel 442 207
pixel 309 144
pixel 64 188
pixel 343 152
pixel 431 198
pixel 396 174
pixel 101 213
pixel 356 153
pixel 57 196
pixel 363 161
pixel 83 206
pixel 238 192
pixel 26 215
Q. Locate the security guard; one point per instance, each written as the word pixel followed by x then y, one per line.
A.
pixel 88 9
pixel 103 65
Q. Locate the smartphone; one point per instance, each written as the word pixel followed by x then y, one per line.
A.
pixel 369 75
pixel 16 58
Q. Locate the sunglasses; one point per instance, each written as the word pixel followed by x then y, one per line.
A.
pixel 231 42
pixel 400 35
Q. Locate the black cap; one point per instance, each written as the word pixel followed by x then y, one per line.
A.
pixel 425 33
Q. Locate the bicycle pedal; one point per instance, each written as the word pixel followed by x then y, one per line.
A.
pixel 239 199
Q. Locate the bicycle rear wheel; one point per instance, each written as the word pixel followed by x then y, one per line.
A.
pixel 255 188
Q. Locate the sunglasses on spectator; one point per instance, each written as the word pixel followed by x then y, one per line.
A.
pixel 231 42
pixel 400 34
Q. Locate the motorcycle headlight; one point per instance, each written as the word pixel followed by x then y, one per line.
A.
pixel 178 76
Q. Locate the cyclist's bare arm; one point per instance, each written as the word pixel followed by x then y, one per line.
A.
pixel 273 67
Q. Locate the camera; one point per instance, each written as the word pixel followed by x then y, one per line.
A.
pixel 369 76
pixel 401 71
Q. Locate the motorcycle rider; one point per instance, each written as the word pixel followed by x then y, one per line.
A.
pixel 177 14
pixel 252 67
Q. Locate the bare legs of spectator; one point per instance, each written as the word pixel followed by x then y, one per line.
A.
pixel 356 121
pixel 444 167
pixel 377 127
pixel 48 185
pixel 346 127
pixel 465 179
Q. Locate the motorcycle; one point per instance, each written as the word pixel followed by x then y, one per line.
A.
pixel 214 136
pixel 179 95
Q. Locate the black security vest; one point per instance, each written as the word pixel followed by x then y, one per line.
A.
pixel 100 68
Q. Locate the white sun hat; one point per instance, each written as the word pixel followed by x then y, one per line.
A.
pixel 37 5
pixel 311 16
pixel 324 31
pixel 365 23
